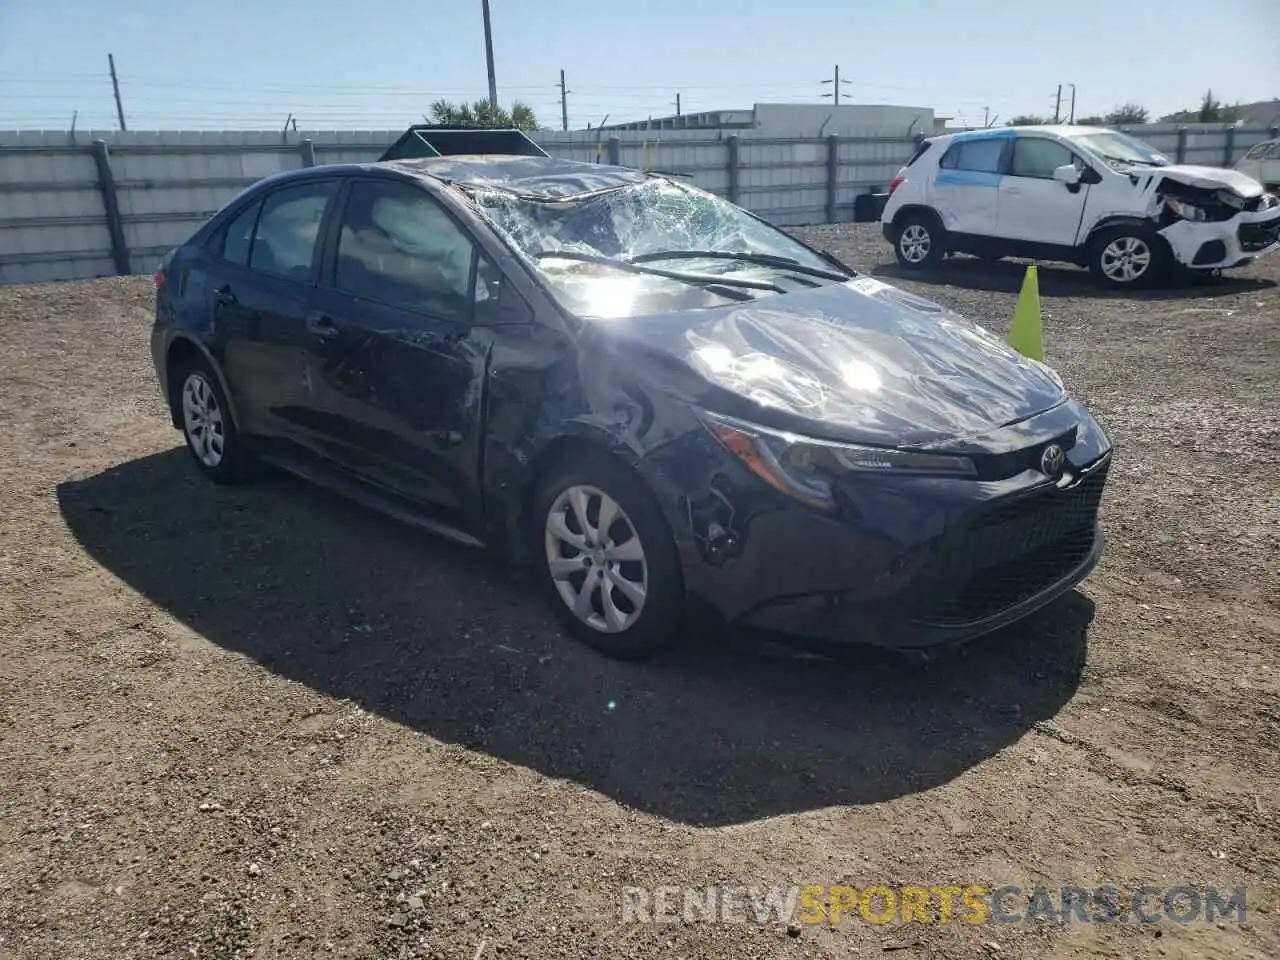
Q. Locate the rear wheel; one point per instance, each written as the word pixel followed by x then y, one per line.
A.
pixel 207 426
pixel 918 241
pixel 607 558
pixel 1128 257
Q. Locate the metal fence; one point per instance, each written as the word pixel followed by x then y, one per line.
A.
pixel 101 203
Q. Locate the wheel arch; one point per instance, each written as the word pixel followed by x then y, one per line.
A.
pixel 184 351
pixel 1118 220
pixel 908 209
pixel 582 439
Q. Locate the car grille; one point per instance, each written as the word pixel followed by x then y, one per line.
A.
pixel 1259 236
pixel 1010 553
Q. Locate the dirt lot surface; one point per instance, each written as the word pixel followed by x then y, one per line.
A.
pixel 263 722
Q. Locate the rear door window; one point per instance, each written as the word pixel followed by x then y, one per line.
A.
pixel 237 238
pixel 285 241
pixel 981 156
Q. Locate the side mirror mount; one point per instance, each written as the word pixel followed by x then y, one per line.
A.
pixel 496 300
pixel 1067 173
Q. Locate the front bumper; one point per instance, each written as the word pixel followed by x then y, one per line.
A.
pixel 906 563
pixel 1228 243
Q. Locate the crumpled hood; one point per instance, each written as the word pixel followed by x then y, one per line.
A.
pixel 856 360
pixel 1207 178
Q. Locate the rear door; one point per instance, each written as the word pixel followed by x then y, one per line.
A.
pixel 966 186
pixel 1033 206
pixel 259 291
pixel 396 363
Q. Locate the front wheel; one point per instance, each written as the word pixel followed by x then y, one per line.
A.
pixel 1127 257
pixel 607 558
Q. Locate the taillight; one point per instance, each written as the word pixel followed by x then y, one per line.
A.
pixel 896 182
pixel 159 278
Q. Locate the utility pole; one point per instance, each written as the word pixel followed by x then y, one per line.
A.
pixel 1072 118
pixel 677 104
pixel 488 56
pixel 986 118
pixel 115 86
pixel 1057 106
pixel 835 87
pixel 564 104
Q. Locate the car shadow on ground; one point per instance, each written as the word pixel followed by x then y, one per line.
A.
pixel 438 638
pixel 1065 280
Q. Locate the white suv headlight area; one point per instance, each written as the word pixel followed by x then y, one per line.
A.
pixel 1187 211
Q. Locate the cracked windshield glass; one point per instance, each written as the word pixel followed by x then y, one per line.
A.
pixel 650 247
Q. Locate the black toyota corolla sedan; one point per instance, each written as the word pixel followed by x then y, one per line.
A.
pixel 644 391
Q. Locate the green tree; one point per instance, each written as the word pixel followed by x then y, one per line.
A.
pixel 482 114
pixel 1027 120
pixel 1093 121
pixel 1213 110
pixel 1126 114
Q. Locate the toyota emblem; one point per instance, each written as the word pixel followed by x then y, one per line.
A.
pixel 1052 460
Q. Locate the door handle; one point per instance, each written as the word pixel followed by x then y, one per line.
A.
pixel 321 325
pixel 1012 190
pixel 224 295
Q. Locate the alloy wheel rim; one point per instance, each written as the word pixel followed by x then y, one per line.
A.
pixel 202 420
pixel 914 243
pixel 1125 259
pixel 596 559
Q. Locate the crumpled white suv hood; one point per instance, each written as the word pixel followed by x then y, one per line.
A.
pixel 1207 178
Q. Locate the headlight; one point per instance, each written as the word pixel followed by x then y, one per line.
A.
pixel 803 467
pixel 1187 211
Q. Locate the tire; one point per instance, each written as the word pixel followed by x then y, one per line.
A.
pixel 1128 257
pixel 207 425
pixel 637 550
pixel 918 241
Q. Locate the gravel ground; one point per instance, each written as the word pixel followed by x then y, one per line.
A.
pixel 264 722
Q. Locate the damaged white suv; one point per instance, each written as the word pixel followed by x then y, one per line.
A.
pixel 1086 195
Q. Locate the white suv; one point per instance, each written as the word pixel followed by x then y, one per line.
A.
pixel 1086 195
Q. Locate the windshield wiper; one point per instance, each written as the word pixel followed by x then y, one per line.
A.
pixel 763 259
pixel 698 279
pixel 1131 162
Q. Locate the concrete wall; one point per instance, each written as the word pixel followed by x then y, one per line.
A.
pixel 54 223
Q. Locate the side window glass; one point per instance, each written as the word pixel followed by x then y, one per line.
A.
pixel 285 241
pixel 398 246
pixel 982 156
pixel 1257 151
pixel 1274 152
pixel 238 235
pixel 1037 157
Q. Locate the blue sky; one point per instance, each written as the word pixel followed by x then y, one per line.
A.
pixel 231 64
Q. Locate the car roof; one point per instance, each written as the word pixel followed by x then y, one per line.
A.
pixel 543 177
pixel 1001 133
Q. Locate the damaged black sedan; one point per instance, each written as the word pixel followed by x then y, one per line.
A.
pixel 644 391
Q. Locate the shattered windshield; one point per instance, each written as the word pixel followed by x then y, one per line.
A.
pixel 650 247
pixel 1121 150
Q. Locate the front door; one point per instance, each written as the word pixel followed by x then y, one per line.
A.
pixel 1034 206
pixel 966 186
pixel 396 364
